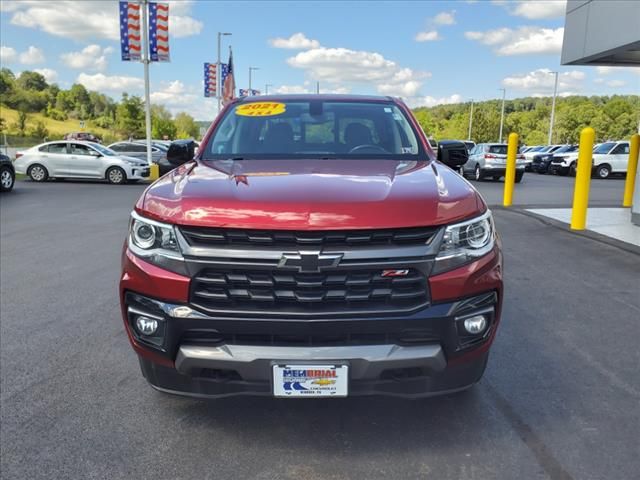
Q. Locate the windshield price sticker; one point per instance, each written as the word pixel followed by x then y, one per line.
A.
pixel 261 109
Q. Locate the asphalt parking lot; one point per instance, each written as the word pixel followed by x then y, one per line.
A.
pixel 559 399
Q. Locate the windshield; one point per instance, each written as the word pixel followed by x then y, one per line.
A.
pixel 161 146
pixel 566 148
pixel 103 150
pixel 604 147
pixel 314 129
pixel 499 149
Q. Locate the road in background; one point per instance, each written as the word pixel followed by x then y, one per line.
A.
pixel 559 399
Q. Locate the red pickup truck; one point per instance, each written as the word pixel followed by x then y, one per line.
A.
pixel 316 246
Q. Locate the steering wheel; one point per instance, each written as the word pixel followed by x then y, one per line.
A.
pixel 375 148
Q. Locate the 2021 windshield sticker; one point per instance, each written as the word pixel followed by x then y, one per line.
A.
pixel 261 109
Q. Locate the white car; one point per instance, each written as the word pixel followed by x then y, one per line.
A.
pixel 78 159
pixel 608 158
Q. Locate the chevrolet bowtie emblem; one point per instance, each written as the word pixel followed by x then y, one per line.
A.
pixel 310 261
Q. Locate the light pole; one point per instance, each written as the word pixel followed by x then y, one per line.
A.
pixel 470 120
pixel 266 88
pixel 504 94
pixel 251 69
pixel 146 60
pixel 317 87
pixel 218 68
pixel 553 108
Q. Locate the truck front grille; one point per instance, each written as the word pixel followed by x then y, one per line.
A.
pixel 285 292
pixel 216 237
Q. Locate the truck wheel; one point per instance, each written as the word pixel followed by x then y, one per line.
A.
pixel 38 173
pixel 519 176
pixel 603 171
pixel 477 174
pixel 7 179
pixel 116 176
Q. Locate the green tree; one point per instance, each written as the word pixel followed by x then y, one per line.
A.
pixel 22 122
pixel 161 123
pixel 64 101
pixel 7 83
pixel 130 116
pixel 32 81
pixel 186 126
pixel 40 130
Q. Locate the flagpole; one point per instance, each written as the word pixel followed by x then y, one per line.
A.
pixel 218 70
pixel 146 61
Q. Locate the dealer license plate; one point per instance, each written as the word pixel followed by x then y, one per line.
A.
pixel 310 380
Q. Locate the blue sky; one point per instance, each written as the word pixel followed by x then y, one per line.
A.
pixel 427 52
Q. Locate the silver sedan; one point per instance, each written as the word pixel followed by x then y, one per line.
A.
pixel 78 159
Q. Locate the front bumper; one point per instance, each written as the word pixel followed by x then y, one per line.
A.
pixel 233 356
pixel 558 169
pixel 138 173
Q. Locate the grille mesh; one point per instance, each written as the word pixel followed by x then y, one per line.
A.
pixel 288 292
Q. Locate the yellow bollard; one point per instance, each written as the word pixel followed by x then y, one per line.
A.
pixel 154 172
pixel 629 183
pixel 583 179
pixel 510 174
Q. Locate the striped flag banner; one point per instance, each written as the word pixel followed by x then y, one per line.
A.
pixel 130 42
pixel 159 31
pixel 210 78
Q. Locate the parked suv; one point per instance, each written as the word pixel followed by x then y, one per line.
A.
pixel 608 158
pixel 314 247
pixel 489 160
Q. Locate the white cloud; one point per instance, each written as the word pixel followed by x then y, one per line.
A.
pixel 92 57
pixel 598 80
pixel 297 41
pixel 80 20
pixel 445 18
pixel 604 70
pixel 31 56
pixel 522 41
pixel 616 83
pixel 49 74
pixel 113 83
pixel 428 36
pixel 342 65
pixel 541 82
pixel 534 9
pixel 429 101
pixel 307 88
pixel 8 54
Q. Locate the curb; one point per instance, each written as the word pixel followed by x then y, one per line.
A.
pixel 597 237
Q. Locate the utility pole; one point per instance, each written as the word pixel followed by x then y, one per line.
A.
pixel 470 120
pixel 146 60
pixel 266 88
pixel 553 108
pixel 504 94
pixel 317 87
pixel 219 70
pixel 251 69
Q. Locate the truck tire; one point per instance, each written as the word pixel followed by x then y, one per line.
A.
pixel 603 171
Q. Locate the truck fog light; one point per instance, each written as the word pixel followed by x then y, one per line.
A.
pixel 476 324
pixel 146 325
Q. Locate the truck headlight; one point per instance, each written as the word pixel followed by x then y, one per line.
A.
pixel 465 242
pixel 155 242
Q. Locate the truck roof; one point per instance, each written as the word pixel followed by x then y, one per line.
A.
pixel 328 97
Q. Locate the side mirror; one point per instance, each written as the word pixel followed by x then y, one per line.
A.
pixel 181 151
pixel 94 153
pixel 452 153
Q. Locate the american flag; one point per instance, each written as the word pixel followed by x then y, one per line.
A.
pixel 159 32
pixel 130 43
pixel 228 81
pixel 210 87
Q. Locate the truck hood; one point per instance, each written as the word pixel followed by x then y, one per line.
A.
pixel 311 194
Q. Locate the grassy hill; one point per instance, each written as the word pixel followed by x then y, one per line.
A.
pixel 56 128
